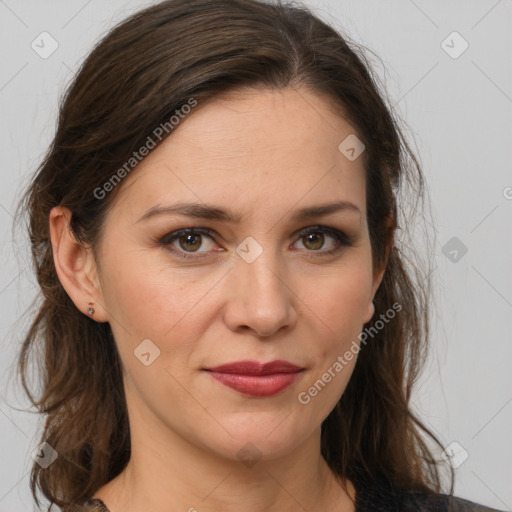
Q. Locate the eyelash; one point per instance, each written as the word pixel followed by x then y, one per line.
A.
pixel 342 240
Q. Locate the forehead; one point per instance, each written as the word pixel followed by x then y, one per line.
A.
pixel 261 146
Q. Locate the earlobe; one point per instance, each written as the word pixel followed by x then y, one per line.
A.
pixel 370 312
pixel 75 266
pixel 377 279
pixel 378 274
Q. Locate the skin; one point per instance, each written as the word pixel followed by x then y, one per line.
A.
pixel 263 154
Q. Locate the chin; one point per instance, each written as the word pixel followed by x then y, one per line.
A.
pixel 254 440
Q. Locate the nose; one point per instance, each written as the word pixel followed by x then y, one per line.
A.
pixel 261 299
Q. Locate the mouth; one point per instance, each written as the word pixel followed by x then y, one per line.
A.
pixel 257 379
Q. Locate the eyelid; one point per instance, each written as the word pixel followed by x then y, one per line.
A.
pixel 168 237
pixel 341 238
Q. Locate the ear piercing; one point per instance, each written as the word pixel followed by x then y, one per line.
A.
pixel 90 309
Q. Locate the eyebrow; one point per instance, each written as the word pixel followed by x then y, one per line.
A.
pixel 212 212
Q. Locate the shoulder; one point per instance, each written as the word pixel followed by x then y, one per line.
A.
pixel 440 503
pixel 90 505
pixel 377 494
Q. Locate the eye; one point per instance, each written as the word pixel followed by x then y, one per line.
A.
pixel 185 243
pixel 314 239
pixel 187 240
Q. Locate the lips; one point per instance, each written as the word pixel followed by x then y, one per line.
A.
pixel 255 368
pixel 256 379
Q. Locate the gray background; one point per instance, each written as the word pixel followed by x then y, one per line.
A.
pixel 458 111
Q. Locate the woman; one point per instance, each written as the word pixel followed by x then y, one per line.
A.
pixel 227 318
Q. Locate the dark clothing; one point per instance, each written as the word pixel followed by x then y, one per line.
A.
pixel 379 496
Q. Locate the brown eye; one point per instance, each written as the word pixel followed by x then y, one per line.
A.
pixel 314 241
pixel 187 243
pixel 190 242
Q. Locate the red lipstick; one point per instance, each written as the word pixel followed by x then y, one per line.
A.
pixel 256 379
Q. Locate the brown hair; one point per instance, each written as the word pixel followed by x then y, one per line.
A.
pixel 142 72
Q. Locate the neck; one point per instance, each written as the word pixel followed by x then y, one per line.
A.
pixel 168 472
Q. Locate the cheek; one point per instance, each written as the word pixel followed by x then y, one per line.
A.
pixel 164 306
pixel 338 306
pixel 149 299
pixel 340 299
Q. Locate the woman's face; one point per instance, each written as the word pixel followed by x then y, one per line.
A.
pixel 268 284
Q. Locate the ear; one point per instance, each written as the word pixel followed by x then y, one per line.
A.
pixel 75 265
pixel 378 272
